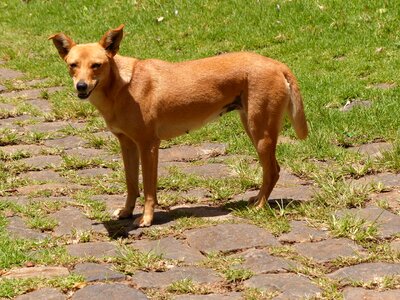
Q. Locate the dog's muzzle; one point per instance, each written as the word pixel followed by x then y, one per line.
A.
pixel 83 89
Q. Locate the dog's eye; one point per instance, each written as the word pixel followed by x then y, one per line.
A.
pixel 96 66
pixel 73 65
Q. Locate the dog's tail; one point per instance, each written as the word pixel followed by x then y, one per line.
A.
pixel 295 107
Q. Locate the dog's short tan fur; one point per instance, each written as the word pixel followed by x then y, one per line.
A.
pixel 146 101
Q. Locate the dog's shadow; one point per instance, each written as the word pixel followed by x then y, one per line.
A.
pixel 126 227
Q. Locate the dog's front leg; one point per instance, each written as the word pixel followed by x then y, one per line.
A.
pixel 149 159
pixel 130 156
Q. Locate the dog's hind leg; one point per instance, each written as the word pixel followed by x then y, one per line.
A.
pixel 262 124
pixel 149 159
pixel 130 156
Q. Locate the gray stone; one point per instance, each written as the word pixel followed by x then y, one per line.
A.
pixel 92 249
pixel 9 109
pixel 388 223
pixel 357 293
pixel 228 296
pixel 45 175
pixel 97 272
pixel 46 127
pixel 171 248
pixel 390 198
pixel 7 74
pixel 260 261
pixel 300 233
pixel 2 88
pixel 27 149
pixel 395 245
pixel 108 292
pixel 87 153
pixel 387 179
pixel 31 272
pixel 207 170
pixel 328 250
pixel 70 219
pixel 112 202
pixel 16 227
pixel 56 189
pixel 229 237
pixel 42 105
pixel 68 142
pixel 212 170
pixel 31 93
pixel 94 172
pixel 298 193
pixel 291 286
pixel 191 153
pixel 12 123
pixel 351 104
pixel 42 161
pixel 198 275
pixel 383 85
pixel 43 294
pixel 202 211
pixel 366 272
pixel 373 149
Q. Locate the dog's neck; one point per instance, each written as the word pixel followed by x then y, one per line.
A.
pixel 121 70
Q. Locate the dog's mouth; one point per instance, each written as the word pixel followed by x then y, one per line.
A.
pixel 85 95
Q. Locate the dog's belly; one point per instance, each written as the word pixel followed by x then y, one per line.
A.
pixel 174 128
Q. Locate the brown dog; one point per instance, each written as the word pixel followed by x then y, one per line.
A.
pixel 146 101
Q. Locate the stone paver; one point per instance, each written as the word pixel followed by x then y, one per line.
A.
pixel 228 296
pixel 56 189
pixel 373 149
pixel 7 74
pixel 300 232
pixel 191 153
pixel 388 224
pixel 18 229
pixel 42 161
pixel 290 286
pixel 97 272
pixel 328 250
pixel 259 261
pixel 45 294
pixel 229 237
pixel 27 149
pixel 391 199
pixel 72 219
pixel 94 172
pixel 387 179
pixel 356 293
pixel 68 142
pixel 45 175
pixel 92 249
pixel 171 248
pixel 30 94
pixel 31 272
pixel 366 272
pixel 108 292
pixel 198 275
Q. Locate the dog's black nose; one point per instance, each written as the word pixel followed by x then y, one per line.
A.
pixel 81 86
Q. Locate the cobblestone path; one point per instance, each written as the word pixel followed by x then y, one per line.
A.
pixel 69 181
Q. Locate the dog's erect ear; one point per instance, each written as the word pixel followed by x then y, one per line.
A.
pixel 111 39
pixel 63 43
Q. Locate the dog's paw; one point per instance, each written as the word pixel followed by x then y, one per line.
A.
pixel 257 202
pixel 142 221
pixel 122 213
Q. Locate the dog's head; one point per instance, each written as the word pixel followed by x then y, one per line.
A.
pixel 89 64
